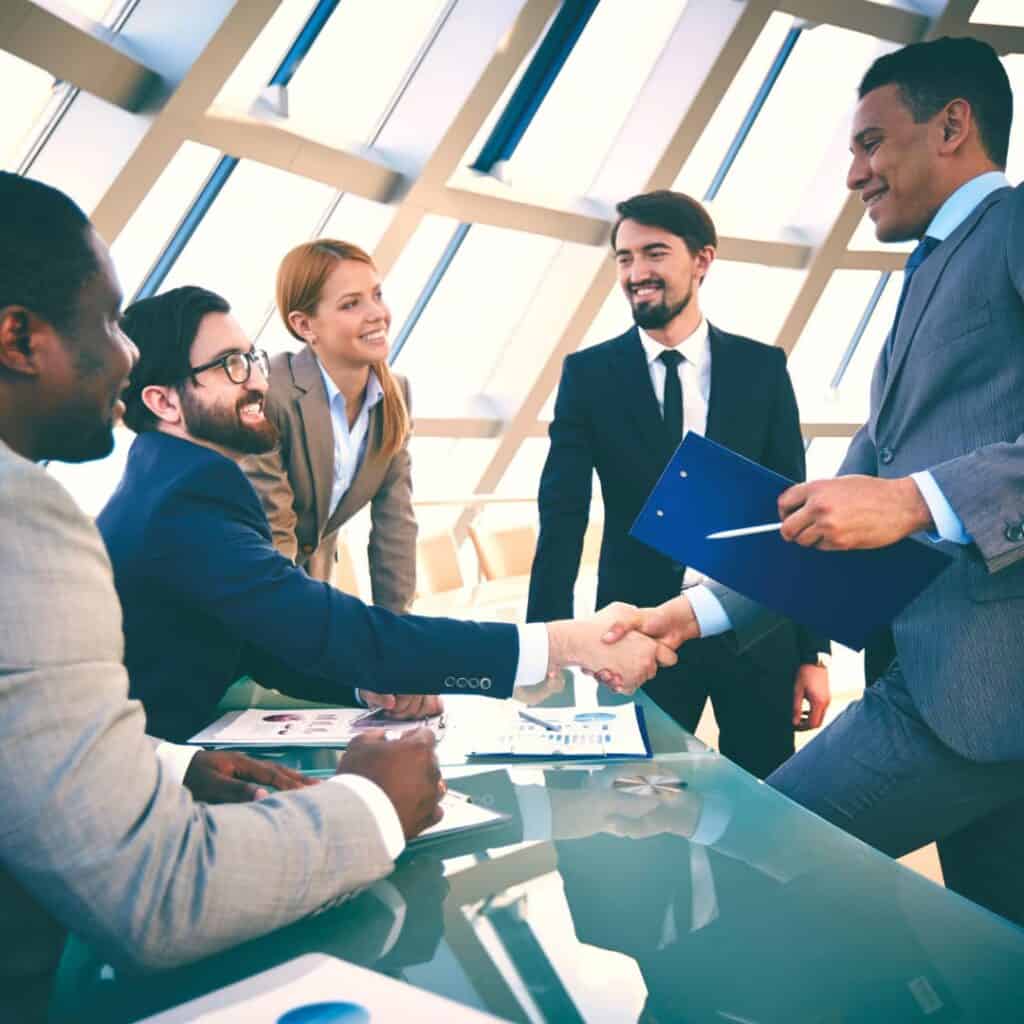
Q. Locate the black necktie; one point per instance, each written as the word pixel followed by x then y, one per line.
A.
pixel 914 260
pixel 673 405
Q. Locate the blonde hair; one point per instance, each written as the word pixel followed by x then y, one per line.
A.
pixel 300 285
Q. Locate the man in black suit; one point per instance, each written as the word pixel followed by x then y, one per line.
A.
pixel 622 409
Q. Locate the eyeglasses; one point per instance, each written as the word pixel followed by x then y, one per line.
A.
pixel 238 365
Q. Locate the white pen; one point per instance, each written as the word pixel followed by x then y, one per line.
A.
pixel 550 726
pixel 743 531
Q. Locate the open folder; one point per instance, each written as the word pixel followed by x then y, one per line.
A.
pixel 847 595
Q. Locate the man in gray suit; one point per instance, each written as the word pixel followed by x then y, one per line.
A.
pixel 935 749
pixel 97 835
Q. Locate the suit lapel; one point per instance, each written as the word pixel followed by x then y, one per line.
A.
pixel 925 280
pixel 317 429
pixel 365 482
pixel 730 386
pixel 631 383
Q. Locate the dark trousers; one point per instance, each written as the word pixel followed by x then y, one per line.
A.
pixel 881 774
pixel 751 693
pixel 878 655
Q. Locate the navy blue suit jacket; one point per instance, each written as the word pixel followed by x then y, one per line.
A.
pixel 207 598
pixel 607 419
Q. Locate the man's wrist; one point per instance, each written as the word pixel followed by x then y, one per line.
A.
pixel 915 506
pixel 559 644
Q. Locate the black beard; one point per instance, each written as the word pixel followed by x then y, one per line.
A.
pixel 226 429
pixel 654 317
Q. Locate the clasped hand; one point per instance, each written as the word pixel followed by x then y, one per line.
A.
pixel 623 646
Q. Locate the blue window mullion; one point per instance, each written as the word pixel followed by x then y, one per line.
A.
pixel 751 116
pixel 225 167
pixel 526 99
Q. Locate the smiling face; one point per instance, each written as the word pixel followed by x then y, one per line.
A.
pixel 225 415
pixel 657 272
pixel 88 369
pixel 349 326
pixel 896 167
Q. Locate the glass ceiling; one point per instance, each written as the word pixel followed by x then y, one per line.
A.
pixel 416 90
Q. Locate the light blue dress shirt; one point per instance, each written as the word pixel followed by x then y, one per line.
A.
pixel 349 442
pixel 712 618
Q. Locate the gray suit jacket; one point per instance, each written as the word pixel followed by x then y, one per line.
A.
pixel 950 398
pixel 294 483
pixel 94 836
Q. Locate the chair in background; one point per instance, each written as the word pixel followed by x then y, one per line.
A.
pixel 505 555
pixel 441 588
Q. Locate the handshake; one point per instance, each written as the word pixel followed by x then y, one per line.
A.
pixel 623 646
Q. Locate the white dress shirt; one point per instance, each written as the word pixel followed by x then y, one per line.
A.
pixel 694 374
pixel 695 382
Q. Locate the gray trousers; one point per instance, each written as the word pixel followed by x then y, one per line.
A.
pixel 879 773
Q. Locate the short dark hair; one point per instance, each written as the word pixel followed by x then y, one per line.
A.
pixel 674 212
pixel 46 255
pixel 930 75
pixel 163 329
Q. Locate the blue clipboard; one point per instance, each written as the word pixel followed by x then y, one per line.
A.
pixel 847 595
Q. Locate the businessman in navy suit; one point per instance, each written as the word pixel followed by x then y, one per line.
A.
pixel 622 408
pixel 206 596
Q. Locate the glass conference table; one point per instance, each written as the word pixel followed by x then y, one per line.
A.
pixel 596 900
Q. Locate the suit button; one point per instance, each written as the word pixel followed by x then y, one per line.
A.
pixel 474 684
pixel 1014 533
pixel 485 683
pixel 461 682
pixel 449 681
pixel 885 456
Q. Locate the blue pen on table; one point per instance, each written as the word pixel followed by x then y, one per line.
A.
pixel 533 719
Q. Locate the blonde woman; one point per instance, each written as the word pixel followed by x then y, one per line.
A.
pixel 344 422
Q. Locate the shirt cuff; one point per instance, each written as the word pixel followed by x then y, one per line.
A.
pixel 533 654
pixel 175 759
pixel 711 617
pixel 948 525
pixel 380 806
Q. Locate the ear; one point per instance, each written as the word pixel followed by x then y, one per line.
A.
pixel 703 260
pixel 956 120
pixel 164 403
pixel 299 323
pixel 21 335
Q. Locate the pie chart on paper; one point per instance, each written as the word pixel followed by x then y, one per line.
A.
pixel 327 1013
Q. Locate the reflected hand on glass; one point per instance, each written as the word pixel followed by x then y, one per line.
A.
pixel 553 683
pixel 404 706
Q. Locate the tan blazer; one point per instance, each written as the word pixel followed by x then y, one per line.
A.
pixel 294 483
